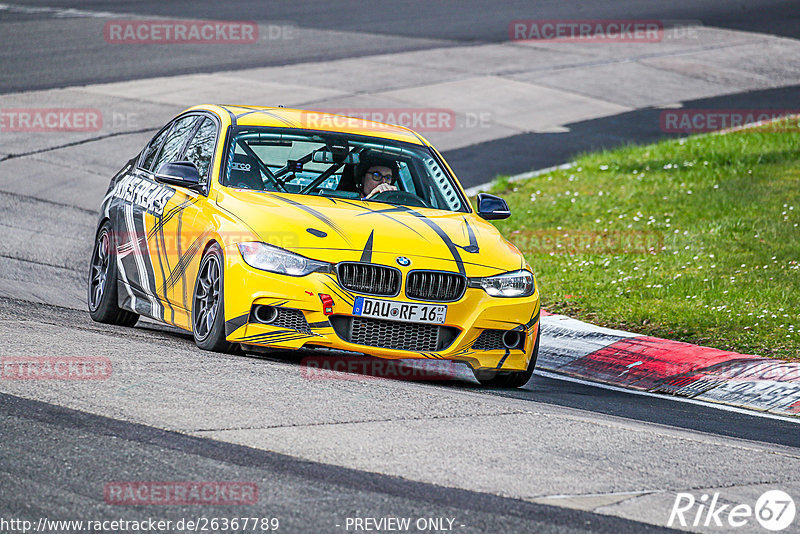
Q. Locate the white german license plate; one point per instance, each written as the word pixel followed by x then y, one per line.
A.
pixel 400 311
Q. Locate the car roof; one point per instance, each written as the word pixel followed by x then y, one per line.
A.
pixel 278 117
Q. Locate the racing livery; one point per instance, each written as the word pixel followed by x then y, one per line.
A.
pixel 261 227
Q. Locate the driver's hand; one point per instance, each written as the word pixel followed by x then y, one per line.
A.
pixel 382 188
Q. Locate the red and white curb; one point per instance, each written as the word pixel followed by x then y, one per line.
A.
pixel 623 359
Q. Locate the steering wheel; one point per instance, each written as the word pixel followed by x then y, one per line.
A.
pixel 400 197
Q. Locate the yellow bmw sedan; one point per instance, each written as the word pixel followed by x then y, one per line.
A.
pixel 281 228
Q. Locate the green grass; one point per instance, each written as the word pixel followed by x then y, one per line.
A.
pixel 721 214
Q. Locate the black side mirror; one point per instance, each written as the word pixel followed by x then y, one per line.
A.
pixel 180 173
pixel 491 207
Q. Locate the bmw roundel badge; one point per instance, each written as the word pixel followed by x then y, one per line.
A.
pixel 402 261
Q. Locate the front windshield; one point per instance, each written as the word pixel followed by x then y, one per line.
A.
pixel 339 166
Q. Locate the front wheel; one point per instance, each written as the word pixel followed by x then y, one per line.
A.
pixel 510 379
pixel 208 306
pixel 102 285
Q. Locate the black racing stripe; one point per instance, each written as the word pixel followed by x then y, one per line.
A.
pixel 165 218
pixel 347 300
pixel 445 238
pixel 288 336
pixel 163 279
pixel 234 324
pixel 279 331
pixel 127 249
pixel 346 297
pixel 246 113
pixel 392 209
pixel 320 324
pixel 178 265
pixel 269 114
pixel 139 215
pixel 473 247
pixel 452 247
pixel 366 255
pixel 231 115
pixel 319 215
pixel 460 352
pixel 530 323
pixel 162 239
pixel 383 212
pixel 269 341
pixel 534 319
pixel 179 272
pixel 278 334
pixel 503 359
pixel 283 337
pixel 157 231
pixel 339 286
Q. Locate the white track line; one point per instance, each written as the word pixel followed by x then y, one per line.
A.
pixel 725 407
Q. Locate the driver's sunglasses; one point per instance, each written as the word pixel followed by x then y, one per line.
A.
pixel 378 177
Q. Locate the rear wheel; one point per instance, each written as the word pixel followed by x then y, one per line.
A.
pixel 102 286
pixel 208 307
pixel 510 379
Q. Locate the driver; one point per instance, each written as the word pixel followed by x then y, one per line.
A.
pixel 377 179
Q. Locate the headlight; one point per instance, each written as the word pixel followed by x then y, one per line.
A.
pixel 276 260
pixel 514 284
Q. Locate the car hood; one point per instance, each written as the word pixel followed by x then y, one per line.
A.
pixel 334 230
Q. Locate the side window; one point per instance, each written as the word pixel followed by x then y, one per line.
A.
pixel 405 178
pixel 151 150
pixel 176 139
pixel 201 148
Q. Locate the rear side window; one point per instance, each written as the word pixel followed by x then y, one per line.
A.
pixel 201 148
pixel 151 151
pixel 176 140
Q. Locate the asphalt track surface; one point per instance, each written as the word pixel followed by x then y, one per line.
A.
pixel 53 58
pixel 60 51
pixel 323 452
pixel 55 460
pixel 305 496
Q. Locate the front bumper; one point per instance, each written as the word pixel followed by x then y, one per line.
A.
pixel 467 319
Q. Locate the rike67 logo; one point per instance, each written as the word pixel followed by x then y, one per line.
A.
pixel 774 511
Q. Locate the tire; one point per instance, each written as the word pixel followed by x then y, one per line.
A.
pixel 102 283
pixel 510 379
pixel 208 303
